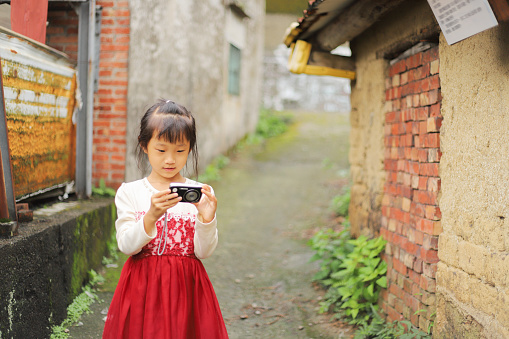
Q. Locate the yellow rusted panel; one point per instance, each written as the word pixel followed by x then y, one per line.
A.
pixel 39 99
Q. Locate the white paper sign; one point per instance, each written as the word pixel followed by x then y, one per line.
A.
pixel 460 19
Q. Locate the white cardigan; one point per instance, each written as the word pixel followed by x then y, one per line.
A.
pixel 133 201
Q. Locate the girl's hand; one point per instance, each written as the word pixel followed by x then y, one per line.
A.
pixel 159 203
pixel 207 205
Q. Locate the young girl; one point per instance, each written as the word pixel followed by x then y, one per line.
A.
pixel 164 290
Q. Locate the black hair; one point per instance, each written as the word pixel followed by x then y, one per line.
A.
pixel 173 123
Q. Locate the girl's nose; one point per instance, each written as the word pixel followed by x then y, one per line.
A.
pixel 170 160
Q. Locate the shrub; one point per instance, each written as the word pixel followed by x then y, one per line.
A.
pixel 351 270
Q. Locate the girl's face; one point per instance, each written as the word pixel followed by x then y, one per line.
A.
pixel 167 159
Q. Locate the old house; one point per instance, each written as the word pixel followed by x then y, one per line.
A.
pixel 117 57
pixel 429 150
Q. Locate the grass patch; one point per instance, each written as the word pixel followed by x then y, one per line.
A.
pixel 79 306
pixel 270 124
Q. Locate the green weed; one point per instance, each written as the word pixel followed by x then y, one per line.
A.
pixel 269 125
pixel 102 190
pixel 351 270
pixel 341 202
pixel 79 306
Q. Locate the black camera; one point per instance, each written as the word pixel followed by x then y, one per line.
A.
pixel 189 193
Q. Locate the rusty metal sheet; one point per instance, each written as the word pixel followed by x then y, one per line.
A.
pixel 39 86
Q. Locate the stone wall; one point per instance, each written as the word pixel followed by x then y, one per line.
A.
pixel 47 264
pixel 472 277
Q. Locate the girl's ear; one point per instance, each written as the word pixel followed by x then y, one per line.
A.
pixel 144 148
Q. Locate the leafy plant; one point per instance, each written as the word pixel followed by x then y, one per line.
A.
pixel 341 202
pixel 102 190
pixel 212 170
pixel 270 125
pixel 352 271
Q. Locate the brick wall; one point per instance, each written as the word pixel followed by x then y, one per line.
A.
pixel 62 30
pixel 110 100
pixel 410 212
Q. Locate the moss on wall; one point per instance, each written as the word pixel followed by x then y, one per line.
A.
pixel 48 263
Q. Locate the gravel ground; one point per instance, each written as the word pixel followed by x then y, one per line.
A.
pixel 272 198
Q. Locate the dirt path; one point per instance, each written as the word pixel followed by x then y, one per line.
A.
pixel 271 198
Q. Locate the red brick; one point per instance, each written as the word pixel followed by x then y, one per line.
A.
pixel 413 167
pixel 433 213
pixel 422 113
pixel 411 301
pixel 435 110
pixel 434 82
pixel 429 256
pixel 428 284
pixel 434 53
pixel 418 209
pixel 423 155
pixel 399 266
pixel 418 265
pixel 434 124
pixel 398 67
pixel 406 192
pixel 434 96
pixel 407 286
pixel 430 242
pixel 414 61
pixel 396 291
pixel 391 117
pixel 412 249
pixel 426 226
pixel 393 315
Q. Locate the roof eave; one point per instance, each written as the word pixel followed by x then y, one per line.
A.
pixel 350 19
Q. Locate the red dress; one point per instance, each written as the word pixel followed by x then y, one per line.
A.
pixel 165 296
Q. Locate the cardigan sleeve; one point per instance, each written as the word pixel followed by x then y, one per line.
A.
pixel 131 235
pixel 205 238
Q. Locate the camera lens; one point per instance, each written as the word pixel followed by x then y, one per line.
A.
pixel 191 196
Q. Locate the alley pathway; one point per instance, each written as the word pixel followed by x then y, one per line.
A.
pixel 271 198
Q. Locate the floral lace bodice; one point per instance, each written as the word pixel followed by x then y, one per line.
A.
pixel 179 236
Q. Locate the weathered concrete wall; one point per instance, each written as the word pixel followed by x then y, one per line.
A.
pixel 472 277
pixel 368 110
pixel 45 267
pixel 181 53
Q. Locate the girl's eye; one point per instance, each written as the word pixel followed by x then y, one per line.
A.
pixel 160 150
pixel 181 150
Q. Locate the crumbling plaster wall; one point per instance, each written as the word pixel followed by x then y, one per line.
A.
pixel 368 110
pixel 472 276
pixel 179 51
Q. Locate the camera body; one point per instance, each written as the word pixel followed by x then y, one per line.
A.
pixel 189 193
